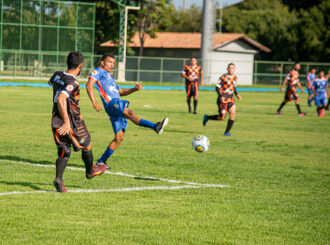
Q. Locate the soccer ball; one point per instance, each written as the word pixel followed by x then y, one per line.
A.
pixel 200 143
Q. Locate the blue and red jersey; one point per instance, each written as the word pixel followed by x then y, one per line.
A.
pixel 320 86
pixel 105 85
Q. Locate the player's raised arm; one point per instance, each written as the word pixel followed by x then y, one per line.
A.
pixel 125 92
pixel 90 91
pixel 62 107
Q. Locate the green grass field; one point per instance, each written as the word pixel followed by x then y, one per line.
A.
pixel 277 169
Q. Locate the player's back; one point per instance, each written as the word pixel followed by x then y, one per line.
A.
pixel 63 82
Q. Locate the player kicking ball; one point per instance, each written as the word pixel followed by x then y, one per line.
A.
pixel 116 108
pixel 226 88
pixel 291 92
pixel 320 90
pixel 67 124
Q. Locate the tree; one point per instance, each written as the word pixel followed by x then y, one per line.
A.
pixel 151 15
pixel 185 20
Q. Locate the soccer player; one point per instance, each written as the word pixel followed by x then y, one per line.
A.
pixel 310 79
pixel 291 91
pixel 191 74
pixel 320 90
pixel 67 124
pixel 226 88
pixel 116 108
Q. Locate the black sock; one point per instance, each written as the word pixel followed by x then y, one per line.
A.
pixel 327 107
pixel 189 107
pixel 229 125
pixel 281 106
pixel 298 108
pixel 214 117
pixel 87 157
pixel 60 166
pixel 195 105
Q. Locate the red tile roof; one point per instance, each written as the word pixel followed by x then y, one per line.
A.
pixel 186 40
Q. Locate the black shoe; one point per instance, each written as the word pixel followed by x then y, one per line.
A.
pixel 58 184
pixel 161 125
pixel 205 120
pixel 195 112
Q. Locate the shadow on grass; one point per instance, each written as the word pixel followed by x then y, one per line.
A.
pixel 21 159
pixel 147 178
pixel 34 186
pixel 42 162
pixel 179 131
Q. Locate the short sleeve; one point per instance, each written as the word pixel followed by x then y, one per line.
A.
pixel 71 87
pixel 184 70
pixel 95 74
pixel 51 80
pixel 288 76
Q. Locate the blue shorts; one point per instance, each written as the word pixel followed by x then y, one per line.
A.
pixel 321 100
pixel 310 91
pixel 115 109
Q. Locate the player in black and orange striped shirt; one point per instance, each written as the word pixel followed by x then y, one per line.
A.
pixel 68 127
pixel 292 79
pixel 192 73
pixel 226 88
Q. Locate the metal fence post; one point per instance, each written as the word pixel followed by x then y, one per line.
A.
pixel 138 67
pixel 281 74
pixel 255 72
pixel 15 65
pixel 161 69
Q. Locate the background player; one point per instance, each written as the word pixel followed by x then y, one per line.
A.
pixel 116 108
pixel 320 89
pixel 67 124
pixel 310 78
pixel 291 92
pixel 191 73
pixel 226 88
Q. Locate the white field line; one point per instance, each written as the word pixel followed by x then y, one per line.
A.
pixel 106 190
pixel 123 174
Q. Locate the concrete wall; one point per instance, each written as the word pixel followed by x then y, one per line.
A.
pixel 220 61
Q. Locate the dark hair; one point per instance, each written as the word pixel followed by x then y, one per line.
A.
pixel 312 68
pixel 321 70
pixel 230 64
pixel 74 59
pixel 105 55
pixel 296 63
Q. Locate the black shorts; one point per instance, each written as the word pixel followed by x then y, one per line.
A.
pixel 78 137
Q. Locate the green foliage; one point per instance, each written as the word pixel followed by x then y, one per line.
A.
pixel 151 15
pixel 181 20
pixel 292 35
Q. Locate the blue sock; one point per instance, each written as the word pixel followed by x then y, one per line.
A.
pixel 147 124
pixel 108 152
